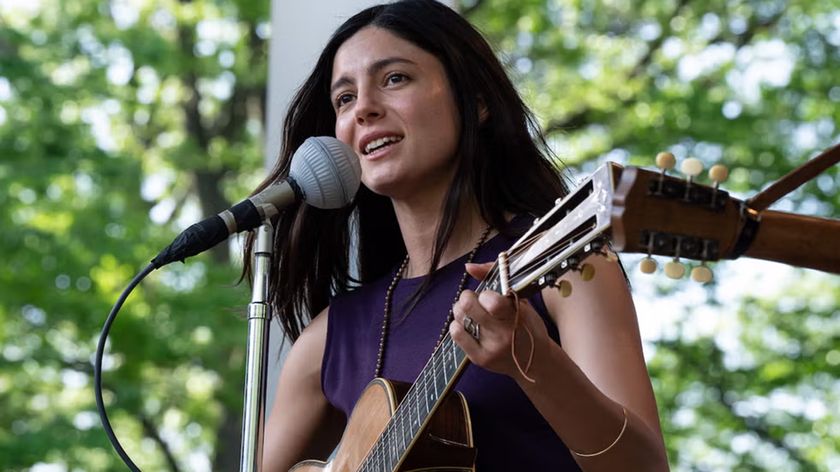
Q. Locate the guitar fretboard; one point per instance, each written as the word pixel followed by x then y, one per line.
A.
pixel 422 399
pixel 420 402
pixel 433 383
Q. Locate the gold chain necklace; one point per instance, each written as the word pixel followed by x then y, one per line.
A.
pixel 386 317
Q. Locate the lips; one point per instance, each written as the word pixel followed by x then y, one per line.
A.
pixel 376 141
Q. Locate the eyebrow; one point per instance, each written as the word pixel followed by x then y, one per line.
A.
pixel 373 69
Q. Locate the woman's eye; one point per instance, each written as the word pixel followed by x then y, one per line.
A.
pixel 395 78
pixel 343 99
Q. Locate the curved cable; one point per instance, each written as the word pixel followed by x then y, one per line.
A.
pixel 97 366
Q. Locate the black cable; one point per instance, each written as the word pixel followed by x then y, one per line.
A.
pixel 97 366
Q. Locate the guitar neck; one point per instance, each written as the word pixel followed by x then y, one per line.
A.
pixel 798 240
pixel 421 401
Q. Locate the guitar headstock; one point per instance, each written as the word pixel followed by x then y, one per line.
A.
pixel 560 241
pixel 655 213
pixel 637 210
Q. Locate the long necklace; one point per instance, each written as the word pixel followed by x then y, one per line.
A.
pixel 389 294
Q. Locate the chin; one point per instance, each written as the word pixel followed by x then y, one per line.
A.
pixel 381 185
pixel 390 191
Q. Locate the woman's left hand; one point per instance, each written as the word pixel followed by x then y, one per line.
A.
pixel 485 327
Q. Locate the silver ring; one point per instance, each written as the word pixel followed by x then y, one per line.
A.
pixel 472 327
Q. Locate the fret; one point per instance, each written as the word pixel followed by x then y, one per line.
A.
pixel 434 379
pixel 408 405
pixel 423 381
pixel 386 447
pixel 440 374
pixel 392 451
pixel 372 459
pixel 377 457
pixel 417 410
pixel 449 358
pixel 403 432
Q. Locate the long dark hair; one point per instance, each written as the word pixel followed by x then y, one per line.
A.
pixel 503 164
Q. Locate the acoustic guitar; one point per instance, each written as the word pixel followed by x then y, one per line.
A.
pixel 426 426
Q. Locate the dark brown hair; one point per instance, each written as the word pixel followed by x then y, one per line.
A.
pixel 503 163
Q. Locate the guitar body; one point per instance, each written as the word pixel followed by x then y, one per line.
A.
pixel 444 445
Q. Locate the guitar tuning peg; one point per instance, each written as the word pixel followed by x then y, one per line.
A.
pixel 565 288
pixel 587 272
pixel 701 274
pixel 665 161
pixel 718 173
pixel 674 269
pixel 648 265
pixel 692 167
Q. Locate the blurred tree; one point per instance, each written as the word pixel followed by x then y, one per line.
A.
pixel 122 121
pixel 743 382
pixel 114 115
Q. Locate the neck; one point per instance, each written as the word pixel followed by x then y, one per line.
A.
pixel 419 225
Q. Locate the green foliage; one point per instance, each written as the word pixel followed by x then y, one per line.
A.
pixel 122 121
pixel 112 116
pixel 746 382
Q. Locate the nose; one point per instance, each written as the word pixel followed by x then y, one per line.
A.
pixel 368 107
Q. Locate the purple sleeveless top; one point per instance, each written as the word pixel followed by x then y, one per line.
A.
pixel 508 432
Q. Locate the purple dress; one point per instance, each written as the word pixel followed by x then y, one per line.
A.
pixel 508 432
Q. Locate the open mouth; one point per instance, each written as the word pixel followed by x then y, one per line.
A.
pixel 381 143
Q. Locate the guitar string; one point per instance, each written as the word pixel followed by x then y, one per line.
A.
pixel 447 344
pixel 412 396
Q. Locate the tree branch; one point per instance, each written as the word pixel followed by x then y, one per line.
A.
pixel 151 431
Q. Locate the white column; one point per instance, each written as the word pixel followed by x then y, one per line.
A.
pixel 299 30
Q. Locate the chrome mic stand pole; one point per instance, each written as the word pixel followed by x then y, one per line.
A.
pixel 255 376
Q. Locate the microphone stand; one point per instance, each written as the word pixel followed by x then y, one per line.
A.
pixel 253 419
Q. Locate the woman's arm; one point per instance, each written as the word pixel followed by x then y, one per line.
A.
pixel 302 424
pixel 583 388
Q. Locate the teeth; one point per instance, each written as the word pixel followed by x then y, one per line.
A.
pixel 377 143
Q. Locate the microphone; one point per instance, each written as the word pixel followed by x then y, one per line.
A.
pixel 324 172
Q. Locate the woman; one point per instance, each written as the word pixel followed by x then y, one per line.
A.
pixel 451 173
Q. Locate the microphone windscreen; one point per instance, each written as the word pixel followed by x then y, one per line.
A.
pixel 327 171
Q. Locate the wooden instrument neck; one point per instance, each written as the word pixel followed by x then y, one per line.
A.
pixel 797 240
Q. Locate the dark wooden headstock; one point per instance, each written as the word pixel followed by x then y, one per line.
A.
pixel 659 214
pixel 628 209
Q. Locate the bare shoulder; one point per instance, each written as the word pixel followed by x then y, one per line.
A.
pixel 599 331
pixel 598 305
pixel 307 352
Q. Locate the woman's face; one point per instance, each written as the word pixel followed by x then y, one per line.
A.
pixel 395 108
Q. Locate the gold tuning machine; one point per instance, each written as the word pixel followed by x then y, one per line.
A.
pixel 665 161
pixel 691 167
pixel 675 269
pixel 648 265
pixel 718 173
pixel 702 274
